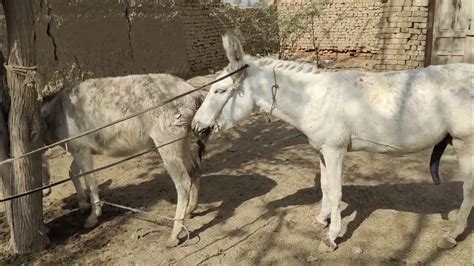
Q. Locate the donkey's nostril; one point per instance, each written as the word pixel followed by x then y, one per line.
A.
pixel 205 131
pixel 196 128
pixel 201 131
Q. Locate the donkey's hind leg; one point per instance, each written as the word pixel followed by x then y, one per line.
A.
pixel 464 150
pixel 193 164
pixel 193 195
pixel 176 165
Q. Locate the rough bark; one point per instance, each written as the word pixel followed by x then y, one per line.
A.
pixel 26 213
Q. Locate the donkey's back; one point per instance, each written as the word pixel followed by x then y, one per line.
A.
pixel 406 111
pixel 96 102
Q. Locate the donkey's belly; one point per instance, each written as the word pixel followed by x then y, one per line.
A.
pixel 396 144
pixel 120 145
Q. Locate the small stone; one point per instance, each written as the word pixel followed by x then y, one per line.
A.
pixel 311 258
pixel 356 250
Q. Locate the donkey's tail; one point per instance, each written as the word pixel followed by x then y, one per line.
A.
pixel 436 158
pixel 195 149
pixel 201 149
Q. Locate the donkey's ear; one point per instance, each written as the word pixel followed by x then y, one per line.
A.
pixel 233 48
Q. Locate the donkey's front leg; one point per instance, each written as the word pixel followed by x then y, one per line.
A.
pixel 83 160
pixel 81 194
pixel 464 150
pixel 325 208
pixel 333 158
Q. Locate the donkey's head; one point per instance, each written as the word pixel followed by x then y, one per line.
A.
pixel 52 114
pixel 229 100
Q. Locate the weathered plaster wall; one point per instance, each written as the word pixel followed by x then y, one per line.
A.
pixel 77 39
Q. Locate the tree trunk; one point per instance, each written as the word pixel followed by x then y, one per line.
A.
pixel 26 213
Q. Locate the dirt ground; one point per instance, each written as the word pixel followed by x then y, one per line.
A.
pixel 258 202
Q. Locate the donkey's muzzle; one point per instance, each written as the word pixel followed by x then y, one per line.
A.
pixel 202 133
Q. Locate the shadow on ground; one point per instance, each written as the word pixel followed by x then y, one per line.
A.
pixel 259 141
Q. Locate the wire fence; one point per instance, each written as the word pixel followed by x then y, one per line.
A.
pixel 88 132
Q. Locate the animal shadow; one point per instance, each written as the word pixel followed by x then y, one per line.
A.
pixel 420 198
pixel 214 188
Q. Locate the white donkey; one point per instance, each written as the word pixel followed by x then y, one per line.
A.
pixel 393 112
pixel 96 102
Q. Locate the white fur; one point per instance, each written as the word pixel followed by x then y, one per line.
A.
pixel 392 112
pixel 96 102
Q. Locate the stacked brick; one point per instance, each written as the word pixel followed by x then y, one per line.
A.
pixel 205 22
pixel 258 28
pixel 202 35
pixel 402 37
pixel 337 26
pixel 390 33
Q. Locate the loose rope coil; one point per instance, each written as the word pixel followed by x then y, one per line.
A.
pixel 20 70
pixel 134 210
pixel 32 78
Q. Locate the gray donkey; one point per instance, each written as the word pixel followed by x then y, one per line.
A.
pixel 96 102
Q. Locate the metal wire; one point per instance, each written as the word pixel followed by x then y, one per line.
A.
pixel 122 119
pixel 188 235
pixel 89 172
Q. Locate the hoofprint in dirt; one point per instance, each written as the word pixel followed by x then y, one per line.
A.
pixel 258 203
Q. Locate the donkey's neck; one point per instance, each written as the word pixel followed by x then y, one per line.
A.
pixel 282 92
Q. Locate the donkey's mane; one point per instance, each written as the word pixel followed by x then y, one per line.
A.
pixel 287 66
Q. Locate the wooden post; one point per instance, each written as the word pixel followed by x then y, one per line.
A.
pixel 25 215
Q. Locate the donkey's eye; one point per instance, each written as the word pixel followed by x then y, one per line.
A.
pixel 220 90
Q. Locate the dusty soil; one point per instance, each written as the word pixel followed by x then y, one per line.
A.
pixel 258 201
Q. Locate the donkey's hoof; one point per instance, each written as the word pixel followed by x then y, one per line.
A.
pixel 327 245
pixel 46 192
pixel 172 242
pixel 91 222
pixel 446 242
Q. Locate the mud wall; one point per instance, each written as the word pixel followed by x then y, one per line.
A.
pixel 77 39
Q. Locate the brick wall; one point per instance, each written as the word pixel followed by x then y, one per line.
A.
pixel 338 25
pixel 202 35
pixel 402 35
pixel 384 34
pixel 204 24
